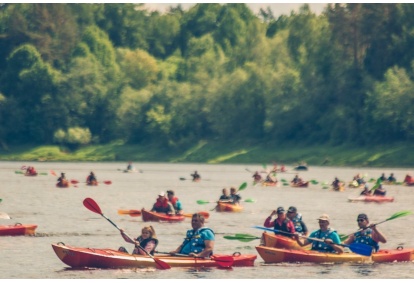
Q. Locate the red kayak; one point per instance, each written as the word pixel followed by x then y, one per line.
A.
pixel 372 199
pixel 18 229
pixel 77 257
pixel 63 185
pixel 148 216
pixel 300 185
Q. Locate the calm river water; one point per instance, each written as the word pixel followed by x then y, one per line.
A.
pixel 61 217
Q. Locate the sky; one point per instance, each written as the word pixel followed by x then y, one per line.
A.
pixel 277 8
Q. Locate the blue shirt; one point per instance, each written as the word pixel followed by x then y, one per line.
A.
pixel 320 246
pixel 194 243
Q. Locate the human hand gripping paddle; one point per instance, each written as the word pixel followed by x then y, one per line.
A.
pixel 394 216
pixel 94 207
pixel 357 248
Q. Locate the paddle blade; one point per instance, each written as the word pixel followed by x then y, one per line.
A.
pixel 314 182
pixel 74 181
pixel 182 179
pixel 92 205
pixel 53 173
pixel 249 200
pixel 161 264
pixel 107 182
pixel 131 212
pixel 223 261
pixel 241 237
pixel 361 249
pixel 243 186
pixel 204 201
pixel 399 214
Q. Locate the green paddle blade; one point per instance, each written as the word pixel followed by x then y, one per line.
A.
pixel 285 184
pixel 399 214
pixel 343 237
pixel 264 166
pixel 18 172
pixel 241 238
pixel 42 173
pixel 203 201
pixel 314 182
pixel 284 180
pixel 243 186
pixel 249 200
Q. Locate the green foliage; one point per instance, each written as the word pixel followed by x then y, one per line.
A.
pixel 73 137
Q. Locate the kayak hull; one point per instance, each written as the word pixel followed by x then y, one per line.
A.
pixel 18 230
pixel 377 199
pixel 303 185
pixel 277 255
pixel 269 184
pixel 63 185
pixel 228 207
pixel 148 216
pixel 78 257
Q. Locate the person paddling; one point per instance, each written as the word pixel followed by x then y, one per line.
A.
pixel 175 202
pixel 199 241
pixel 148 241
pixel 62 181
pixel 196 176
pixel 329 236
pixel 225 197
pixel 281 223
pixel 91 180
pixel 162 205
pixel 367 234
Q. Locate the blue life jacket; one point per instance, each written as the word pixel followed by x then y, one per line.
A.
pixel 320 246
pixel 195 240
pixel 296 222
pixel 365 237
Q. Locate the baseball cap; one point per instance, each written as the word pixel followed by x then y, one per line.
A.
pixel 362 216
pixel 292 209
pixel 324 217
pixel 280 209
pixel 170 192
pixel 161 194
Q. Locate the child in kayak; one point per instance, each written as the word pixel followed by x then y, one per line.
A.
pixel 147 241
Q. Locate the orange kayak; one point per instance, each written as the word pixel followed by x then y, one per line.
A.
pixel 77 257
pixel 277 255
pixel 372 199
pixel 228 207
pixel 135 213
pixel 17 229
pixel 149 216
pixel 279 241
pixel 269 184
pixel 64 185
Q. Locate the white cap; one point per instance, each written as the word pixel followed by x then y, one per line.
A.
pixel 161 194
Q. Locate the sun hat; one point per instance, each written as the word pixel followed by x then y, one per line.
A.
pixel 324 217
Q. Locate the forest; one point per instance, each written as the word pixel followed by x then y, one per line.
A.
pixel 80 74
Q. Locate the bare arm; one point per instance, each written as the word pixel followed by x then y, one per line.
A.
pixel 377 236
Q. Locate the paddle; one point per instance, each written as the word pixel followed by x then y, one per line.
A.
pixel 94 207
pixel 53 173
pixel 361 249
pixel 208 201
pixel 4 215
pixel 242 237
pixel 21 172
pixel 131 171
pixel 392 217
pixel 222 260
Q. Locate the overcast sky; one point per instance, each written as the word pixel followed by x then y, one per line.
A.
pixel 277 8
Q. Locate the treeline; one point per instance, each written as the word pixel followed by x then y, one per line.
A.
pixel 93 73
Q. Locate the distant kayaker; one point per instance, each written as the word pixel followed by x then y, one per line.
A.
pixel 234 196
pixel 270 179
pixel 329 236
pixel 162 205
pixel 62 181
pixel 257 177
pixel 380 191
pixel 409 180
pixel 366 191
pixel 367 234
pixel 391 178
pixel 296 218
pixel 130 167
pixel 225 196
pixel 196 176
pixel 336 184
pixel 199 241
pixel 175 202
pixel 281 223
pixel 31 171
pixel 148 241
pixel 91 179
pixel 296 180
pixel 382 178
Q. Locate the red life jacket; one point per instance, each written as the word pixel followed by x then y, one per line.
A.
pixel 163 204
pixel 174 201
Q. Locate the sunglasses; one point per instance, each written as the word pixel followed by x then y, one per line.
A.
pixel 360 220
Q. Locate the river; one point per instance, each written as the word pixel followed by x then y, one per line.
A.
pixel 61 217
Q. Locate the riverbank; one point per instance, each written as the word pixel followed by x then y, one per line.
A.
pixel 214 153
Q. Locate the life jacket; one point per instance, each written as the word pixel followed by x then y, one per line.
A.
pixel 282 227
pixel 297 223
pixel 144 242
pixel 195 240
pixel 174 201
pixel 163 204
pixel 365 237
pixel 320 246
